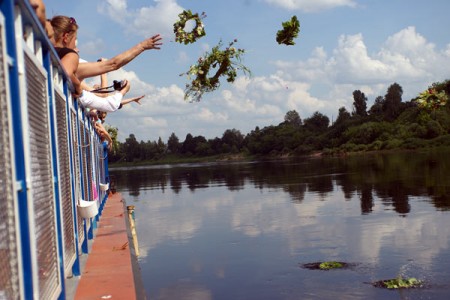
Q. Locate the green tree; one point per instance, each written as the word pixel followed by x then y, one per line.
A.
pixel 188 146
pixel 160 147
pixel 173 144
pixel 359 104
pixel 342 117
pixel 252 141
pixel 215 145
pixel 203 149
pixel 392 102
pixel 317 122
pixel 131 148
pixel 335 133
pixel 376 110
pixel 232 139
pixel 293 118
pixel 367 132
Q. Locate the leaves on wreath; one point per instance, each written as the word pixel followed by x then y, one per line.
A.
pixel 227 62
pixel 181 36
pixel 289 32
pixel 432 99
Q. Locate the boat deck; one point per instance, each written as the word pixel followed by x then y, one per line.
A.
pixel 108 273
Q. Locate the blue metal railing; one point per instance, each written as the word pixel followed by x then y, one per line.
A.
pixel 46 170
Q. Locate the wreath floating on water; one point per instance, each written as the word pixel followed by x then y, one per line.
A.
pixel 432 99
pixel 181 36
pixel 226 62
pixel 399 283
pixel 289 32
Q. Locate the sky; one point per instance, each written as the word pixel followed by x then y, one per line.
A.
pixel 343 46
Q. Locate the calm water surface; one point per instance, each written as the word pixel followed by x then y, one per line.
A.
pixel 244 230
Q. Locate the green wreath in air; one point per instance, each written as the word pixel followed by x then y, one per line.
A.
pixel 432 99
pixel 289 32
pixel 181 36
pixel 227 62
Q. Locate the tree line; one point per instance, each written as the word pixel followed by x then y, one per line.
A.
pixel 389 123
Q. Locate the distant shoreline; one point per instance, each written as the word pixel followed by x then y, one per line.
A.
pixel 246 158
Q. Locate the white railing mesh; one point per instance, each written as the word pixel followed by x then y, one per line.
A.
pixel 64 181
pixel 76 167
pixel 42 180
pixel 9 280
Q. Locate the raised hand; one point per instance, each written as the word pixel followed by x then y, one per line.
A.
pixel 152 43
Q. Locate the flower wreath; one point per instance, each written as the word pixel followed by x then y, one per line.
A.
pixel 431 99
pixel 227 62
pixel 289 32
pixel 182 36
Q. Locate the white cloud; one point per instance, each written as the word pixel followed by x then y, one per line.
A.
pixel 116 9
pixel 352 62
pixel 184 290
pixel 207 115
pixel 145 21
pixel 158 18
pixel 311 5
pixel 180 218
pixel 447 51
pixel 323 82
pixel 406 57
pixel 412 56
pixel 94 47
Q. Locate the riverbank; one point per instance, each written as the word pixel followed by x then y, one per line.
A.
pixel 172 160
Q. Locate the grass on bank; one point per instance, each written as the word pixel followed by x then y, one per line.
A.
pixel 176 159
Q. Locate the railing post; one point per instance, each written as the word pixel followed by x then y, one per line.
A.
pixel 54 146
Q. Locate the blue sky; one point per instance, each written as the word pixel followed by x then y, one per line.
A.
pixel 343 45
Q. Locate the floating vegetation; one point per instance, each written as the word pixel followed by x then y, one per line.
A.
pixel 398 283
pixel 326 265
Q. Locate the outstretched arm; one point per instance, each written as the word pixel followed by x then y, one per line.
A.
pixel 129 100
pixel 91 69
pixel 103 77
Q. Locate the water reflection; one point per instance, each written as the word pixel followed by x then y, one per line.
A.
pixel 394 178
pixel 240 231
pixel 186 291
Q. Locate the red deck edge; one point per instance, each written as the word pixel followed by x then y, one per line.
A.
pixel 108 273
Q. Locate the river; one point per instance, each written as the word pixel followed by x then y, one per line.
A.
pixel 246 230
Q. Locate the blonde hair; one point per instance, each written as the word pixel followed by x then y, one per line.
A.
pixel 61 25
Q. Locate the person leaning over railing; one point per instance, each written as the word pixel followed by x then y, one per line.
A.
pixel 65 35
pixel 65 46
pixel 101 90
pixel 39 9
pixel 100 129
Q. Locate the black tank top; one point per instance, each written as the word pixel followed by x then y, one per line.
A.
pixel 63 51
